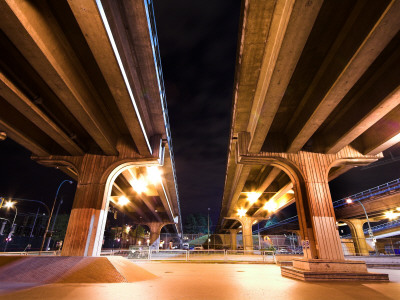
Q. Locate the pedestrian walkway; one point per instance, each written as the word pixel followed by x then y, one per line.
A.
pixel 213 281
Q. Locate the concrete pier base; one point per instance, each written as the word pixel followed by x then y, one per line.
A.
pixel 323 269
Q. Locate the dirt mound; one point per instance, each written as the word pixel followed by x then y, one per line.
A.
pixel 72 269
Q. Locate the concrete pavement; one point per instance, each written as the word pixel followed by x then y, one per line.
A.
pixel 212 281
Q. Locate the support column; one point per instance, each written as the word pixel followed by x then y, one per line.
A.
pixel 155 230
pixel 357 233
pixel 308 171
pixel 233 236
pixel 247 232
pixel 86 223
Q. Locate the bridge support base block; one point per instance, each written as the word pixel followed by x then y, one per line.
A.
pixel 326 270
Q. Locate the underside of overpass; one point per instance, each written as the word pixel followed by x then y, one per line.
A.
pixel 316 93
pixel 81 87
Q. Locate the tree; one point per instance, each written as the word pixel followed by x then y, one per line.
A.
pixel 196 223
pixel 60 228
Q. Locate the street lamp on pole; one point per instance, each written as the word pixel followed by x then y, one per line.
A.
pixel 208 229
pixel 51 213
pixel 10 204
pixel 370 232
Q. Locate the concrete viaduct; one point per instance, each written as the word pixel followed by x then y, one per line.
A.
pixel 316 93
pixel 81 87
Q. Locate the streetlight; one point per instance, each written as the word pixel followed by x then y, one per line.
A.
pixel 370 232
pixel 51 213
pixel 208 230
pixel 10 204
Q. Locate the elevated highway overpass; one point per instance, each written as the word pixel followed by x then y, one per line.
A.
pixel 81 87
pixel 316 93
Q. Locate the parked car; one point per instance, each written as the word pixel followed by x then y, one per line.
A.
pixel 198 248
pixel 185 246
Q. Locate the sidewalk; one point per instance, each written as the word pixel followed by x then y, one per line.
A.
pixel 213 281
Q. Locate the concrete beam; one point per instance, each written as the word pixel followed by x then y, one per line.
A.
pixel 308 119
pixel 290 28
pixel 383 135
pixel 269 179
pixel 13 95
pixel 37 35
pixel 129 176
pixel 20 137
pixel 381 108
pixel 277 196
pixel 94 25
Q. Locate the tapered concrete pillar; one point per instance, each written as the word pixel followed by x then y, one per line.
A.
pixel 357 234
pixel 85 230
pixel 247 232
pixel 155 230
pixel 233 236
pixel 309 172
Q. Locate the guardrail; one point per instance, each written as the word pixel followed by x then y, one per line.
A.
pixel 195 255
pixel 31 253
pixel 375 191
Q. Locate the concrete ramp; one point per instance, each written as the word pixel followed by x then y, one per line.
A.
pixel 70 269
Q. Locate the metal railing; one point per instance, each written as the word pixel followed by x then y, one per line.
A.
pixel 375 191
pixel 31 253
pixel 195 255
pixel 390 186
pixel 377 228
pixel 366 247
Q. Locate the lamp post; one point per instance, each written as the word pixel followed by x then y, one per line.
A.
pixel 208 229
pixel 10 204
pixel 51 213
pixel 370 232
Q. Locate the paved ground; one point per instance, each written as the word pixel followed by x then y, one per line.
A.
pixel 213 281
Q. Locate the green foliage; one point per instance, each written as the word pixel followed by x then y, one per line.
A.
pixel 196 223
pixel 271 221
pixel 60 228
pixel 139 232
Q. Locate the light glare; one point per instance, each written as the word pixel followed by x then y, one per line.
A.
pixel 391 215
pixel 252 197
pixel 9 204
pixel 241 212
pixel 153 174
pixel 123 200
pixel 139 185
pixel 271 206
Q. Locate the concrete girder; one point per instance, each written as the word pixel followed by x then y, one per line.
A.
pixel 269 179
pixel 373 205
pixel 374 114
pixel 100 42
pixel 290 28
pixel 277 196
pixel 308 118
pixel 136 47
pixel 129 176
pixel 37 35
pixel 373 141
pixel 20 137
pixel 25 106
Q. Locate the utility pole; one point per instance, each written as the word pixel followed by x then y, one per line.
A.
pixel 34 223
pixel 208 229
pixel 52 225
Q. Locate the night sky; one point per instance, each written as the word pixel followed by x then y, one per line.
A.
pixel 198 41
